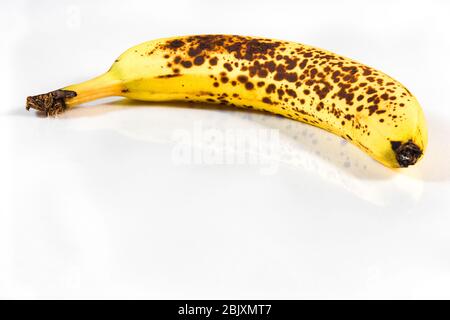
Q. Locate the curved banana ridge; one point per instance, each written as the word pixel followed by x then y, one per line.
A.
pixel 304 83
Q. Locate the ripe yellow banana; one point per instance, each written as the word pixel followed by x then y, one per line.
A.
pixel 312 85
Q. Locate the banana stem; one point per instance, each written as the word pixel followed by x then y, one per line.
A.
pixel 58 101
pixel 96 88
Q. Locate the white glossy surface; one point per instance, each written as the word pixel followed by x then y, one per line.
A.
pixel 95 204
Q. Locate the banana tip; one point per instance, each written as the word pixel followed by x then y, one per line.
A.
pixel 406 153
pixel 51 103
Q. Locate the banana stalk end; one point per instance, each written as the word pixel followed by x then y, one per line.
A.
pixel 50 103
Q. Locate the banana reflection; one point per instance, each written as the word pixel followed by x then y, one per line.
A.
pixel 301 147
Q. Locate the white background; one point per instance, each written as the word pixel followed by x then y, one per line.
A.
pixel 93 204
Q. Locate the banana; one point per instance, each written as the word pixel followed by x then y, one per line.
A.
pixel 362 105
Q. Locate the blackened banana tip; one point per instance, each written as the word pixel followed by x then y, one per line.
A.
pixel 406 153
